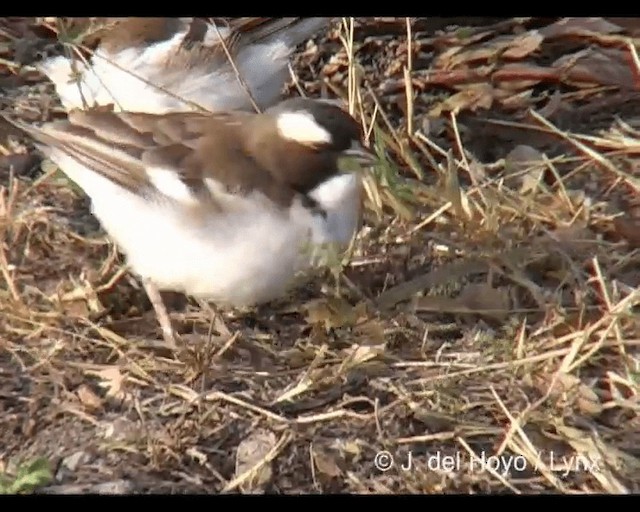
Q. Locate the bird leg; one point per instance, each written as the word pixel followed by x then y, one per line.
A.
pixel 162 315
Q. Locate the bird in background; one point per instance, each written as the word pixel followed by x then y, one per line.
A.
pixel 160 65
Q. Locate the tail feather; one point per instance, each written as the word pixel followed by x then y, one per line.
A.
pixel 152 77
pixel 290 31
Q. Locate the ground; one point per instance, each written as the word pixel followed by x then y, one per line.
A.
pixel 482 337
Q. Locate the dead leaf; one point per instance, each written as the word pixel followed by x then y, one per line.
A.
pixel 250 458
pixel 84 291
pixel 453 47
pixel 438 304
pixel 568 388
pixel 470 56
pixel 588 401
pixel 77 308
pixel 620 389
pixel 523 157
pixel 510 47
pixel 332 312
pixel 359 354
pixel 370 332
pixel 88 398
pixel 629 25
pixel 529 165
pixel 486 300
pixel 628 228
pixel 464 38
pixel 470 98
pixel 518 76
pixel 604 66
pixel 523 45
pixel 122 429
pixel 325 463
pixel 444 60
pixel 576 26
pixel 556 385
pixel 513 100
pixel 433 421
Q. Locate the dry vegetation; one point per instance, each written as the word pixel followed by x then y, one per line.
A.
pixel 489 308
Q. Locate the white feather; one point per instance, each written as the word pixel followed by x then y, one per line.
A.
pixel 301 127
pixel 246 255
pixel 170 184
pixel 340 197
pixel 134 80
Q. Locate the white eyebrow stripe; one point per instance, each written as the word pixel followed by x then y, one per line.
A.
pixel 302 127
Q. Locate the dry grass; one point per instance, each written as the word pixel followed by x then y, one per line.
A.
pixel 484 333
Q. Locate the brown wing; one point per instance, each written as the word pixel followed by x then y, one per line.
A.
pixel 118 159
pixel 127 148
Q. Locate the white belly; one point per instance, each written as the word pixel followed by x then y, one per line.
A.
pixel 246 256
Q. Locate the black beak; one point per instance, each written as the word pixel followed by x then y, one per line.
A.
pixel 361 154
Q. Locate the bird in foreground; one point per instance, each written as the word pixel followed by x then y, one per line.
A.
pixel 161 65
pixel 225 207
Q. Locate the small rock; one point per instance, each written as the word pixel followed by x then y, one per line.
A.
pixel 70 464
pixel 121 429
pixel 115 487
pixel 250 454
pixel 20 164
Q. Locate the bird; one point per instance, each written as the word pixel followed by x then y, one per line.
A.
pixel 161 65
pixel 227 207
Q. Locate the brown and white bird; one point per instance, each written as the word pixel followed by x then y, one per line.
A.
pixel 225 207
pixel 161 65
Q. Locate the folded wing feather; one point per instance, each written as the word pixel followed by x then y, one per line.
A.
pixel 173 155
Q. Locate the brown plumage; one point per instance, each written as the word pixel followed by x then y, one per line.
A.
pixel 229 207
pixel 241 151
